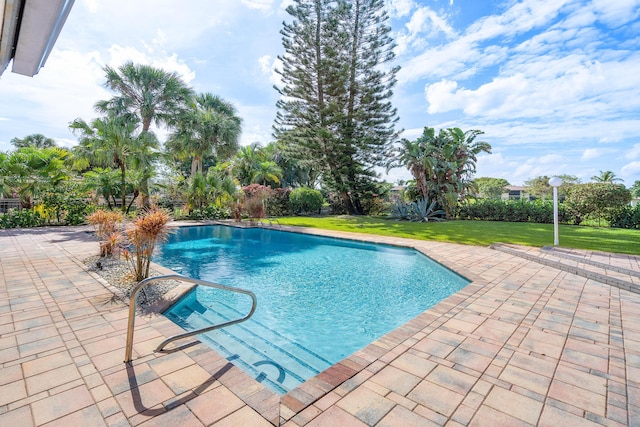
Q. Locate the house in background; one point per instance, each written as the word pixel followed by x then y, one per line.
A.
pixel 515 192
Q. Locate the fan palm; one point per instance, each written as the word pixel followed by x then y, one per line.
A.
pixel 153 94
pixel 107 142
pixel 36 140
pixel 27 170
pixel 208 126
pixel 103 182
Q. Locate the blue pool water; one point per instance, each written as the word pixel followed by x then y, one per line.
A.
pixel 319 299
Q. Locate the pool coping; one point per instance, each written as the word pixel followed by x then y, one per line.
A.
pixel 320 385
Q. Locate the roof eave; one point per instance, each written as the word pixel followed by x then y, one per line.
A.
pixel 9 23
pixel 42 21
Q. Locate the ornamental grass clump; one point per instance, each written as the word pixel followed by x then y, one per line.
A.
pixel 107 226
pixel 142 235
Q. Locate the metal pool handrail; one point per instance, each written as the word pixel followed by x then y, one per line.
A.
pixel 133 301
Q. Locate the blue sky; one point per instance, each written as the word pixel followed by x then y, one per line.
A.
pixel 554 84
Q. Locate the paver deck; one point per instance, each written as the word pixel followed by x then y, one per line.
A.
pixel 523 344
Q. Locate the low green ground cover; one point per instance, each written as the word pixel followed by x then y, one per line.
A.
pixel 482 232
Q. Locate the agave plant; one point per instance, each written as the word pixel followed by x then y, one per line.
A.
pixel 423 211
pixel 400 211
pixel 420 211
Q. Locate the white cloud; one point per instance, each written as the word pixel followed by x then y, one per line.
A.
pixel 550 164
pixel 268 67
pixel 399 8
pixel 425 20
pixel 550 159
pixel 634 152
pixel 66 88
pixel 491 165
pixel 265 64
pixel 91 5
pixel 121 54
pixel 591 153
pixel 616 13
pixel 439 96
pixel 631 171
pixel 423 25
pixel 258 4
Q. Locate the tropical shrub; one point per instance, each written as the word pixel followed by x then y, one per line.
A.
pixel 336 203
pixel 107 225
pixel 374 205
pixel 278 202
pixel 209 212
pixel 254 208
pixel 24 218
pixel 627 217
pixel 306 200
pixel 142 235
pixel 65 205
pixel 596 200
pixel 254 200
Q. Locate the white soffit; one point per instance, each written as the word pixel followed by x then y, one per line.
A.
pixel 41 23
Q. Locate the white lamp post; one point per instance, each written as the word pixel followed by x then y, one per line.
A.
pixel 555 182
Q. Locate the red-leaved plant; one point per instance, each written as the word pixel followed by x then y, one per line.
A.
pixel 142 235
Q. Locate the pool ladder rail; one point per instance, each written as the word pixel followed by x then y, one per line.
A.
pixel 133 301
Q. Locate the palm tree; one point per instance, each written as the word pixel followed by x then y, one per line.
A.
pixel 4 176
pixel 466 155
pixel 26 171
pixel 414 155
pixel 152 94
pixel 247 162
pixel 221 186
pixel 107 142
pixel 208 126
pixel 103 182
pixel 36 140
pixel 295 173
pixel 267 171
pixel 607 177
pixel 442 165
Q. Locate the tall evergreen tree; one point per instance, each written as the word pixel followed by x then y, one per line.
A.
pixel 335 112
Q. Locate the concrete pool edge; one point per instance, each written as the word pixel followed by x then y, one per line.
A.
pixel 356 368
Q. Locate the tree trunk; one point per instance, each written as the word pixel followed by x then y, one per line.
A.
pixel 123 191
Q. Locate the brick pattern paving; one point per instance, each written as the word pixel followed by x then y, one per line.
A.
pixel 524 344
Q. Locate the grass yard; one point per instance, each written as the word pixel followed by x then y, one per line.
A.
pixel 482 233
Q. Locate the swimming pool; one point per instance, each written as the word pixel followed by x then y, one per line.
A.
pixel 319 299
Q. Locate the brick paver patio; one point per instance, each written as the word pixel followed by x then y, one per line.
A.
pixel 523 344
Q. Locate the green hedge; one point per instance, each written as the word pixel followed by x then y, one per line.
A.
pixel 538 211
pixel 305 200
pixel 627 217
pixel 24 218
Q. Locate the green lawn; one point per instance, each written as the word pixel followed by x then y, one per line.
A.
pixel 482 232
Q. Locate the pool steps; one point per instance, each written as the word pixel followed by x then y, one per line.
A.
pixel 270 357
